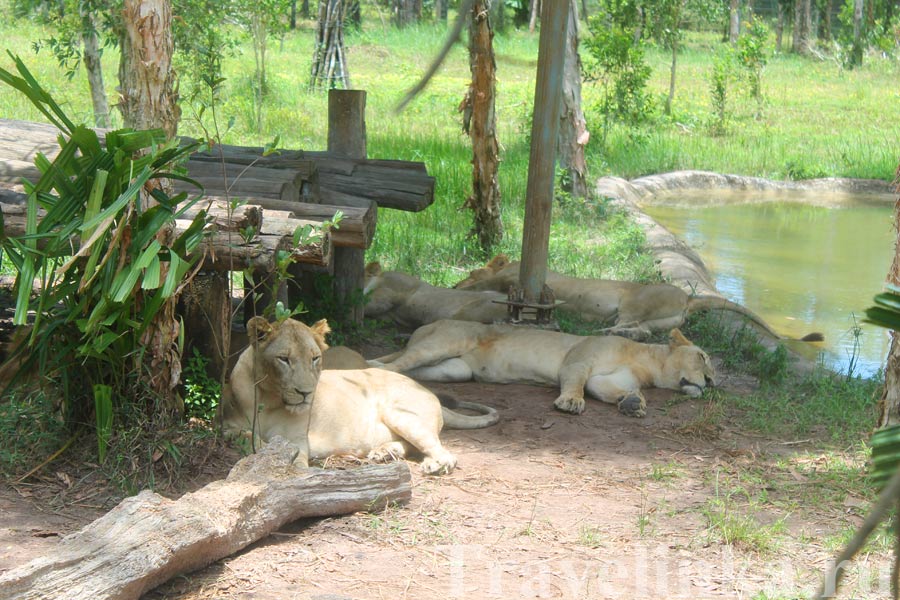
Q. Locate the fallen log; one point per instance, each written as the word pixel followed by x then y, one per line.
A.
pixel 226 249
pixel 356 229
pixel 148 539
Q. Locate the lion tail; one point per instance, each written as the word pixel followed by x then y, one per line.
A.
pixel 486 416
pixel 706 302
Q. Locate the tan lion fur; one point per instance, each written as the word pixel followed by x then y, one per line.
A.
pixel 609 368
pixel 634 309
pixel 370 413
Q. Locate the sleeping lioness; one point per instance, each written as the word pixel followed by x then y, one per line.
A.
pixel 634 309
pixel 368 413
pixel 609 368
pixel 410 302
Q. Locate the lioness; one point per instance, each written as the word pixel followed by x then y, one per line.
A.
pixel 610 368
pixel 410 302
pixel 278 387
pixel 634 309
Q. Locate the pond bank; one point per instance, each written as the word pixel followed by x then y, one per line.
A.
pixel 776 247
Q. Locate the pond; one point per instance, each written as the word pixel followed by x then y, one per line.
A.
pixel 803 261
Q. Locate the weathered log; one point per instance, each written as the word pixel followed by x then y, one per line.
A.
pixel 398 184
pixel 402 185
pixel 356 229
pixel 148 539
pixel 286 183
pixel 226 250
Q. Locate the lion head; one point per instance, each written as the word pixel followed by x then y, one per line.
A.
pixel 688 365
pixel 287 360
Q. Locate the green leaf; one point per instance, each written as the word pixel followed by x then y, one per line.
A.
pixel 103 409
pixel 152 275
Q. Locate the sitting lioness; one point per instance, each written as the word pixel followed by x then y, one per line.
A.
pixel 278 387
pixel 634 309
pixel 609 368
pixel 410 302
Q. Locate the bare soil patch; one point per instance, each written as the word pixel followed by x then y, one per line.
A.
pixel 680 504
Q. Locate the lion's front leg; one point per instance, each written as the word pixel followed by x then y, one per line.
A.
pixel 572 379
pixel 621 388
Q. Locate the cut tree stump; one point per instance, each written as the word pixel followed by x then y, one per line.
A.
pixel 148 539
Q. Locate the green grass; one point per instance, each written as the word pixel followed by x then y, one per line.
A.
pixel 818 120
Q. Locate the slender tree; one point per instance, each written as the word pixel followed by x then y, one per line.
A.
pixel 479 122
pixel 148 101
pixel 734 21
pixel 573 133
pixel 329 64
pixel 76 39
pixel 802 26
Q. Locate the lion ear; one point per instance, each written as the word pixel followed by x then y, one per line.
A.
pixel 259 330
pixel 373 269
pixel 320 328
pixel 676 338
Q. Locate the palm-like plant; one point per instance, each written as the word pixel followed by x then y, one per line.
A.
pixel 95 250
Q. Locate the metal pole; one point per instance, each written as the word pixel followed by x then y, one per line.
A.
pixel 542 162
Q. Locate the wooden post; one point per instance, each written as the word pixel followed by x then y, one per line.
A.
pixel 542 162
pixel 347 137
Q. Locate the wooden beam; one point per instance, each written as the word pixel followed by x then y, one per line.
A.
pixel 148 539
pixel 542 161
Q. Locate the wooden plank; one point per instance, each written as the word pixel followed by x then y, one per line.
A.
pixel 148 539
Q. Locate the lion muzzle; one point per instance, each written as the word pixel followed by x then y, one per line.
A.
pixel 298 400
pixel 694 390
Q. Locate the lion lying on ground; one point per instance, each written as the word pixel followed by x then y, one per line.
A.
pixel 609 368
pixel 410 302
pixel 368 413
pixel 634 309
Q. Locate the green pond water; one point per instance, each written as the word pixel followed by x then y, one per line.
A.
pixel 803 261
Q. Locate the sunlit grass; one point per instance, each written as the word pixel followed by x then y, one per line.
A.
pixel 818 120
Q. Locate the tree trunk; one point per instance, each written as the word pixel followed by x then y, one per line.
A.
pixel 405 12
pixel 801 27
pixel 146 79
pixel 734 21
pixel 329 65
pixel 826 21
pixel 889 405
pixel 779 26
pixel 293 14
pixel 304 9
pixel 148 101
pixel 535 11
pixel 94 69
pixel 148 539
pixel 856 53
pixel 573 133
pixel 479 122
pixel 671 95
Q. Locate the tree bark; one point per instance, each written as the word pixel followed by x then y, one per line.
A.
pixel 856 53
pixel 779 26
pixel 573 133
pixel 533 18
pixel 801 27
pixel 148 101
pixel 889 405
pixel 479 122
pixel 146 79
pixel 94 69
pixel 329 65
pixel 148 539
pixel 734 21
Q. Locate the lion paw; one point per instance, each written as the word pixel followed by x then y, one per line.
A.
pixel 574 406
pixel 387 453
pixel 632 405
pixel 438 465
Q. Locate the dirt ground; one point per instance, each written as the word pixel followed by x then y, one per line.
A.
pixel 548 505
